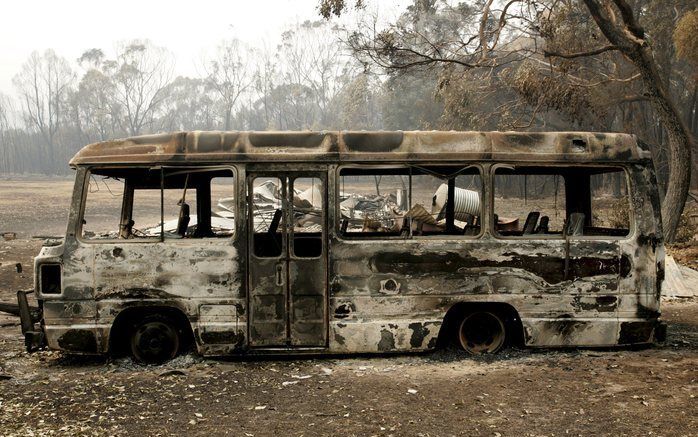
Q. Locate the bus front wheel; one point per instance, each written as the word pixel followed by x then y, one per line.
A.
pixel 482 332
pixel 154 340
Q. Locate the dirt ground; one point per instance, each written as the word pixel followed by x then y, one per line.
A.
pixel 641 391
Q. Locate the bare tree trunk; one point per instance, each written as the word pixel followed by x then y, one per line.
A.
pixel 628 37
pixel 228 110
pixel 692 121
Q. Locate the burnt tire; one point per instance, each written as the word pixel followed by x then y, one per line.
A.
pixel 482 332
pixel 154 340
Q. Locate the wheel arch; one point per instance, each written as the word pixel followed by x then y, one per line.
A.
pixel 125 321
pixel 512 321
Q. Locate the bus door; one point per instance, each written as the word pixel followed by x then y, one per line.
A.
pixel 287 259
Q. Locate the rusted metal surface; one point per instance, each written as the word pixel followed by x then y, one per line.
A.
pixel 362 295
pixel 333 147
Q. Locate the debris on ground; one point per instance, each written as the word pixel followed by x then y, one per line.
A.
pixel 679 281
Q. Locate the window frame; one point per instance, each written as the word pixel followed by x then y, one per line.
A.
pixel 250 178
pixel 561 237
pixel 632 223
pixel 478 166
pixel 322 177
pixel 159 238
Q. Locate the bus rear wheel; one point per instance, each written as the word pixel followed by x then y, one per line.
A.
pixel 154 340
pixel 482 332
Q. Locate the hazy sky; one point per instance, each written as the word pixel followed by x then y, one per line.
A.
pixel 185 27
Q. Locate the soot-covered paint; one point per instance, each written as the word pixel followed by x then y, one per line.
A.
pixel 382 296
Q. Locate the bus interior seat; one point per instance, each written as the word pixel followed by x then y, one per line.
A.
pixel 575 224
pixel 183 219
pixel 472 225
pixel 470 220
pixel 125 229
pixel 543 225
pixel 405 228
pixel 274 226
pixel 531 221
pixel 471 230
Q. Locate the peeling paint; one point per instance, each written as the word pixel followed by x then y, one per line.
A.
pixel 387 341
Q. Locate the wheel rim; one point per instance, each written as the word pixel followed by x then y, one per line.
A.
pixel 154 342
pixel 481 333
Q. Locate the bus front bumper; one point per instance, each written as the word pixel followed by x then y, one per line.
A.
pixel 34 339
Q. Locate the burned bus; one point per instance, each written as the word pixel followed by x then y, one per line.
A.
pixel 352 242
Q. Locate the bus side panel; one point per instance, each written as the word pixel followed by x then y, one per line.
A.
pixel 189 275
pixel 378 289
pixel 200 278
pixel 70 316
pixel 641 289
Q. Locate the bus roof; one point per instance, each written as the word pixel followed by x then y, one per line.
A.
pixel 362 146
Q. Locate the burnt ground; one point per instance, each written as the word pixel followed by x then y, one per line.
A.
pixel 641 391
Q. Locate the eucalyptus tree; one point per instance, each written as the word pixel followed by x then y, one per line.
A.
pixel 140 74
pixel 96 114
pixel 191 105
pixel 586 61
pixel 5 141
pixel 313 58
pixel 43 85
pixel 229 73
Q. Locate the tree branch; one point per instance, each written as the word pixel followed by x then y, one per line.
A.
pixel 628 99
pixel 626 12
pixel 594 52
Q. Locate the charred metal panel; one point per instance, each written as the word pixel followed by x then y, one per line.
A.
pixel 268 311
pixel 364 146
pixel 78 340
pixel 87 338
pixel 221 328
pixel 181 275
pixel 384 336
pixel 640 291
pixel 307 275
pixel 430 276
pixel 373 141
pixel 286 139
pixel 78 311
pixel 181 269
pixel 307 282
pixel 288 291
pixel 570 331
pixel 102 278
pixel 213 143
pixel 637 332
